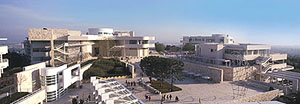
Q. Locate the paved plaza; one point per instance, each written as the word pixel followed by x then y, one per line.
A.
pixel 192 91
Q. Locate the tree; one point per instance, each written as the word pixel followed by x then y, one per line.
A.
pixel 162 68
pixel 172 48
pixel 188 47
pixel 155 67
pixel 176 67
pixel 159 47
pixel 20 79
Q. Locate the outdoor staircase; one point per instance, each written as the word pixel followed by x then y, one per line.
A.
pixel 60 59
pixel 262 60
pixel 58 49
pixel 266 69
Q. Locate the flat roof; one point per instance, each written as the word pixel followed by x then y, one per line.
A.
pixel 285 75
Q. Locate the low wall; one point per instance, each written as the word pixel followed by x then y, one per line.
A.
pixel 267 96
pixel 215 73
pixel 33 98
pixel 115 77
pixel 229 73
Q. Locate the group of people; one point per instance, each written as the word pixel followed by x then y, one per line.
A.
pixel 130 83
pixel 147 97
pixel 169 97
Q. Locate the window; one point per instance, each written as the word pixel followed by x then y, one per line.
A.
pixel 255 52
pixel 145 42
pixel 211 50
pixel 132 42
pixel 132 48
pixel 41 49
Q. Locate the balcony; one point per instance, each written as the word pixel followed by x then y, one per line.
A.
pixel 3 49
pixel 240 57
pixel 278 56
pixel 4 63
pixel 139 45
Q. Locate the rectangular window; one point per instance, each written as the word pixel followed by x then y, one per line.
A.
pixel 132 42
pixel 211 50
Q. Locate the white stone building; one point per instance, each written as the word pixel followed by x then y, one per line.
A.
pixel 214 38
pixel 52 81
pixel 3 62
pixel 61 46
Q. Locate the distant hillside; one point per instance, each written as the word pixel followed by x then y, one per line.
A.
pixel 290 50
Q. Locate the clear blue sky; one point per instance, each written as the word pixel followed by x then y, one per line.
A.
pixel 274 22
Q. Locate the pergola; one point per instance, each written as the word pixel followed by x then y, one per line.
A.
pixel 293 77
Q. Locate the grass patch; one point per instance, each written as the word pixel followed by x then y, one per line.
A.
pixel 165 88
pixel 106 68
pixel 15 96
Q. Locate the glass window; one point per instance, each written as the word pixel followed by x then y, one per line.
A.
pixel 132 42
pixel 255 52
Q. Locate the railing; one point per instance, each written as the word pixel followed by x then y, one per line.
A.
pixel 265 70
pixel 26 96
pixel 263 60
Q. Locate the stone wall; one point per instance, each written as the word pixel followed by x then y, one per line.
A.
pixel 228 73
pixel 267 96
pixel 215 73
pixel 41 34
pixel 239 73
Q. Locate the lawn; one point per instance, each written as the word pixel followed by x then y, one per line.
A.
pixel 106 68
pixel 15 96
pixel 165 88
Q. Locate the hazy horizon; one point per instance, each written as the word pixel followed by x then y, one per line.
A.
pixel 271 22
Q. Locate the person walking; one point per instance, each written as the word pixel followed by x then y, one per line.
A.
pixel 149 98
pixel 146 97
pixel 176 99
pixel 170 97
pixel 167 97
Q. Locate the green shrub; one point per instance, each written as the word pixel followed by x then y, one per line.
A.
pixel 165 88
pixel 106 68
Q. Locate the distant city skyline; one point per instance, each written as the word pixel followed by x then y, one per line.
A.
pixel 274 22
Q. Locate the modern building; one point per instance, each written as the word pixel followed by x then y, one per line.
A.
pixel 63 46
pixel 3 62
pixel 52 81
pixel 214 38
pixel 250 61
pixel 111 91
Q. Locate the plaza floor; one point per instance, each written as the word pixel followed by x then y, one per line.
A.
pixel 192 91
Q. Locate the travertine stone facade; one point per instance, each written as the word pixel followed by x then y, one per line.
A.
pixel 46 34
pixel 267 96
pixel 215 73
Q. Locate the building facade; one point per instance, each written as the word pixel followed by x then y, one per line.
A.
pixel 214 38
pixel 3 62
pixel 61 46
pixel 238 61
pixel 53 81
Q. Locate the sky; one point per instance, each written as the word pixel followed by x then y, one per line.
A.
pixel 275 22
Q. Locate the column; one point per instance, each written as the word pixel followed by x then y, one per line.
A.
pixel 295 86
